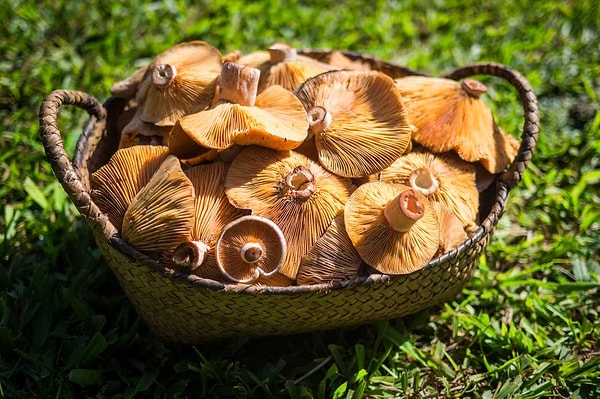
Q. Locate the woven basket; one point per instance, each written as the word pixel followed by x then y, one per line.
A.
pixel 187 309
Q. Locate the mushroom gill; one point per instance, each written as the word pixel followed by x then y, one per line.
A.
pixel 291 190
pixel 161 215
pixel 442 178
pixel 451 116
pixel 250 247
pixel 358 119
pixel 179 81
pixel 393 227
pixel 115 184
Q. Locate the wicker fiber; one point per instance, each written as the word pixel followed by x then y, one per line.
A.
pixel 184 308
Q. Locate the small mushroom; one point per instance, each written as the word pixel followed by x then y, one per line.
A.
pixel 451 116
pixel 452 232
pixel 442 178
pixel 332 258
pixel 273 119
pixel 249 247
pixel 358 120
pixel 161 215
pixel 114 185
pixel 179 81
pixel 291 190
pixel 393 227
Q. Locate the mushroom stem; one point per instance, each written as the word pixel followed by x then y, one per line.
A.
pixel 281 52
pixel 251 252
pixel 403 211
pixel 473 87
pixel 300 182
pixel 239 84
pixel 423 180
pixel 319 119
pixel 190 254
pixel 163 75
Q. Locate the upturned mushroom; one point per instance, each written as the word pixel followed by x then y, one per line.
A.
pixel 212 212
pixel 161 215
pixel 452 232
pixel 451 116
pixel 332 258
pixel 291 190
pixel 274 119
pixel 128 87
pixel 250 247
pixel 114 185
pixel 358 120
pixel 179 81
pixel 442 178
pixel 393 227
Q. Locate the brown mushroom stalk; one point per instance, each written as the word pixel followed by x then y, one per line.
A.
pixel 239 84
pixel 300 183
pixel 423 180
pixel 318 119
pixel 190 254
pixel 403 211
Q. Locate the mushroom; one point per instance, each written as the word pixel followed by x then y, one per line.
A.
pixel 451 116
pixel 332 258
pixel 291 190
pixel 179 81
pixel 281 65
pixel 138 132
pixel 442 178
pixel 273 119
pixel 358 120
pixel 393 227
pixel 212 212
pixel 161 215
pixel 249 247
pixel 115 184
pixel 452 232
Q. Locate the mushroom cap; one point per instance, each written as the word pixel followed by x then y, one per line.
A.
pixel 249 247
pixel 179 81
pixel 452 232
pixel 358 119
pixel 332 258
pixel 451 116
pixel 277 120
pixel 161 215
pixel 115 184
pixel 291 190
pixel 374 235
pixel 442 178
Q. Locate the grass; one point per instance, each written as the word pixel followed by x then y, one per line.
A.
pixel 526 326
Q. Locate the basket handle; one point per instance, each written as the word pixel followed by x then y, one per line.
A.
pixel 59 160
pixel 531 126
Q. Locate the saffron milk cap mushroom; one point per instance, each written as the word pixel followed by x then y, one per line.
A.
pixel 274 119
pixel 442 178
pixel 452 232
pixel 358 120
pixel 451 116
pixel 288 188
pixel 115 184
pixel 393 227
pixel 161 215
pixel 179 81
pixel 249 247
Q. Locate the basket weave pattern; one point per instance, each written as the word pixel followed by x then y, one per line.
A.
pixel 185 308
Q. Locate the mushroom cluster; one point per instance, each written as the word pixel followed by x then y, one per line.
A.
pixel 275 168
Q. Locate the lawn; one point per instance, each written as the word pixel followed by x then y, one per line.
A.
pixel 526 326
